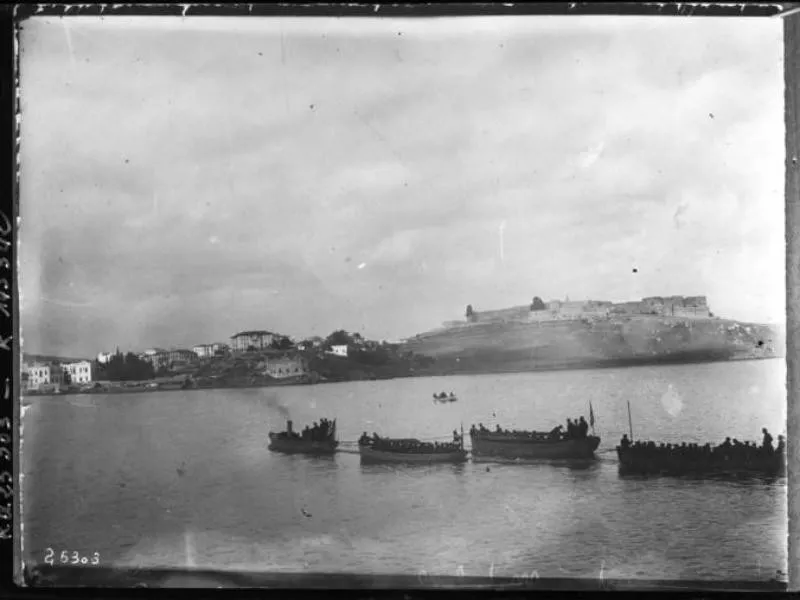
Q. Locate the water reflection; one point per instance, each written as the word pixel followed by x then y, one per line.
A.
pixel 743 479
pixel 416 469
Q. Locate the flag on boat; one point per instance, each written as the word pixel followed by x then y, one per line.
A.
pixel 591 415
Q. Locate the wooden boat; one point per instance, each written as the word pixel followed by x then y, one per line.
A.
pixel 444 399
pixel 650 458
pixel 409 451
pixel 531 445
pixel 290 442
pixel 642 460
pixel 371 455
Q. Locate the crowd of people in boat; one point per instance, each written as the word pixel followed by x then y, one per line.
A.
pixel 318 432
pixel 376 442
pixel 729 450
pixel 444 396
pixel 576 429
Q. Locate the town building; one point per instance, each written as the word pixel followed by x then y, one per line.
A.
pixel 170 358
pixel 219 349
pixel 42 375
pixel 246 341
pixel 203 350
pixel 338 350
pixel 281 367
pixel 79 372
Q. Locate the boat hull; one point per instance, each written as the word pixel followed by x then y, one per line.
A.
pixel 301 446
pixel 371 456
pixel 533 449
pixel 635 462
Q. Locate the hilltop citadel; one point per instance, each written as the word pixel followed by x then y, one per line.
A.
pixel 691 307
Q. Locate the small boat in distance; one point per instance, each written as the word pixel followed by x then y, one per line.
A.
pixel 318 439
pixel 531 445
pixel 375 449
pixel 444 398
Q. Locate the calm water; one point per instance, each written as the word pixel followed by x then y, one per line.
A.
pixel 184 478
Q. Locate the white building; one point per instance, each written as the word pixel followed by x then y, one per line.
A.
pixel 339 350
pixel 104 358
pixel 203 350
pixel 209 350
pixel 43 374
pixel 79 372
pixel 252 340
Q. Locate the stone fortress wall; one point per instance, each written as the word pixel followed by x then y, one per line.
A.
pixel 563 310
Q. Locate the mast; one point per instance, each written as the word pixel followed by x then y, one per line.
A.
pixel 462 435
pixel 630 422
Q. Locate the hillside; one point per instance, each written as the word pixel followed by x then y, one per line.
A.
pixel 45 358
pixel 519 346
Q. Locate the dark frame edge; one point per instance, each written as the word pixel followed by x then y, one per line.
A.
pixel 792 108
pixel 9 211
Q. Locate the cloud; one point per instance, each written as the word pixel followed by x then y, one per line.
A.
pixel 181 179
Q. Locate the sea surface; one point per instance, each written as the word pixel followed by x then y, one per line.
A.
pixel 185 479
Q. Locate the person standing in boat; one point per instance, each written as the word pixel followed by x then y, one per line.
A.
pixel 767 443
pixel 570 429
pixel 781 444
pixel 583 428
pixel 625 443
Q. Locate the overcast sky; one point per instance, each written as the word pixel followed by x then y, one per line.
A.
pixel 185 179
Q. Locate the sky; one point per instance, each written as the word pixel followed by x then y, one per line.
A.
pixel 183 179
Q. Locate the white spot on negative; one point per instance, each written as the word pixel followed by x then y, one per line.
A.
pixel 672 401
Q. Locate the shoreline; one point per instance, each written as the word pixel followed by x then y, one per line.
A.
pixel 579 366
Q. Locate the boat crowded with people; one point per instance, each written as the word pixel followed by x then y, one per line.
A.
pixel 320 438
pixel 731 457
pixel 376 449
pixel 572 443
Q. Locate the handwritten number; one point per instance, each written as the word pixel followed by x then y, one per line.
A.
pixel 75 558
pixel 5 423
pixel 5 533
pixel 4 453
pixel 48 556
pixel 5 477
pixel 64 557
pixel 96 558
pixel 7 491
pixel 5 439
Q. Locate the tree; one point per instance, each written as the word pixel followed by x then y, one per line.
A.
pixel 537 304
pixel 339 338
pixel 282 343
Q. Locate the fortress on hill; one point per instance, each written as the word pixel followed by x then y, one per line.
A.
pixel 690 307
